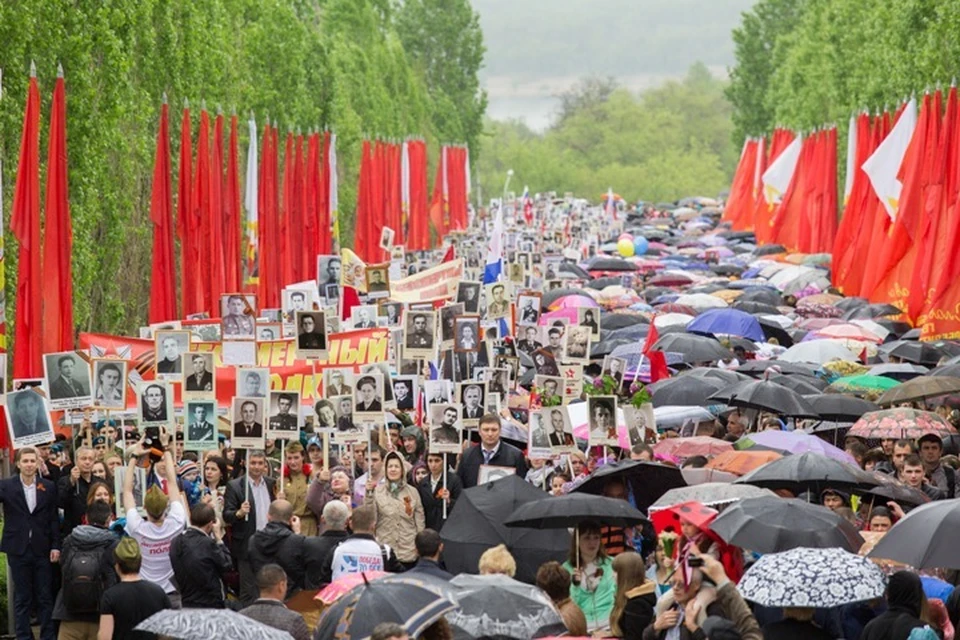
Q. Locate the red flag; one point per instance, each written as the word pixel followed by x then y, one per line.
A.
pixel 763 214
pixel 658 361
pixel 163 276
pixel 288 233
pixel 268 296
pixel 186 226
pixel 232 261
pixel 419 235
pixel 325 233
pixel 362 234
pixel 740 202
pixel 203 265
pixel 853 213
pixel 25 224
pixel 450 255
pixel 440 204
pixel 790 214
pixel 348 300
pixel 457 181
pixel 58 234
pixel 299 203
pixel 215 239
pixel 874 228
pixel 311 203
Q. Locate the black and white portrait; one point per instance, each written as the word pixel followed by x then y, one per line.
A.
pixel 560 431
pixel 364 316
pixel 247 423
pixel 325 415
pixel 110 384
pixel 328 271
pixel 467 334
pixel 544 363
pixel 548 386
pixel 378 281
pixel 614 367
pixel 528 312
pixel 337 382
pixel 331 292
pixel 238 311
pixel 590 318
pixel 283 419
pixel 419 334
pixel 405 392
pixel 311 335
pixel 639 420
pixel 269 331
pixel 445 428
pixel 386 238
pixel 368 396
pixel 498 300
pixel 343 407
pixel 169 346
pixel 602 418
pixel 28 418
pixel 529 339
pixel 576 344
pixel 472 396
pixel 552 338
pixel 201 419
pixel 448 316
pixel 253 382
pixel 516 273
pixel 155 402
pixel 198 375
pixel 438 391
pixel 390 313
pixel 469 294
pixel 207 331
pixel 67 379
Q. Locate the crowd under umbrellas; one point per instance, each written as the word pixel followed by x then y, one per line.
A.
pixel 678 392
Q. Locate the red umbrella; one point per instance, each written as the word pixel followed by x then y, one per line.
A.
pixel 671 280
pixel 694 512
pixel 673 307
pixel 336 589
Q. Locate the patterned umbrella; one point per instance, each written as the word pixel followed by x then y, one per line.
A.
pixel 574 302
pixel 920 388
pixel 819 298
pixel 900 423
pixel 805 577
pixel 204 624
pixel 496 606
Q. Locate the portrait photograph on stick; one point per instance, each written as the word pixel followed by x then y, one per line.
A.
pixel 169 347
pixel 448 317
pixel 67 380
pixel 28 418
pixel 246 418
pixel 253 382
pixel 199 380
pixel 311 335
pixel 419 334
pixel 155 402
pixel 602 418
pixel 283 421
pixel 201 429
pixel 110 383
pixel 238 313
pixel 368 397
pixel 445 428
pixel 466 334
pixel 469 294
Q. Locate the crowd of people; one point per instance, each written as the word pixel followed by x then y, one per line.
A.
pixel 253 531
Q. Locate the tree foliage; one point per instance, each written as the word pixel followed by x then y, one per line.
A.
pixel 666 143
pixel 302 63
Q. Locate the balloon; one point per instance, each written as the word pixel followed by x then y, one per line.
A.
pixel 625 236
pixel 625 247
pixel 640 245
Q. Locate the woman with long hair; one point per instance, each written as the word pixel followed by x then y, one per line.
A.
pixel 214 486
pixel 660 570
pixel 634 602
pixel 591 570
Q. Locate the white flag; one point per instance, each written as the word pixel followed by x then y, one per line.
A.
pixel 884 165
pixel 851 158
pixel 777 177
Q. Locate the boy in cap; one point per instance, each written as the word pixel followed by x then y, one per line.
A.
pixel 132 600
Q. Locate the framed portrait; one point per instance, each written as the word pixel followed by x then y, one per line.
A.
pixel 364 316
pixel 529 339
pixel 311 335
pixel 390 313
pixel 331 292
pixel 386 238
pixel 377 278
pixel 467 334
pixel 552 338
pixel 523 259
pixel 472 397
pixel 545 363
pixel 270 315
pixel 295 299
pixel 67 379
pixel 528 309
pixel 438 391
pixel 551 267
pixel 549 386
pixel 253 382
pixel 28 418
pixel 200 429
pixel 155 403
pixel 640 421
pixel 448 316
pixel 246 422
pixel 343 408
pixel 590 318
pixel 110 383
pixel 538 444
pixel 269 331
pixel 169 347
pixel 497 296
pixel 602 418
pixel 420 329
pixel 329 270
pixel 576 345
pixel 398 254
pixel 333 321
pixel 556 422
pixel 237 315
pixel 468 293
pixel 497 379
pixel 445 428
pixel 516 273
pixel 283 417
pixel 550 285
pixel 405 392
pixel 493 402
pixel 368 397
pixel 614 367
pixel 337 382
pixel 324 416
pixel 384 371
pixel 492 473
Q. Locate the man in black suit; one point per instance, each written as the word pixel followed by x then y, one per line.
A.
pixel 200 379
pixel 31 540
pixel 65 386
pixel 472 402
pixel 559 437
pixel 154 403
pixel 247 426
pixel 247 516
pixel 435 490
pixel 492 451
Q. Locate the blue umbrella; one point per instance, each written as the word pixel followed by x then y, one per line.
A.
pixel 731 322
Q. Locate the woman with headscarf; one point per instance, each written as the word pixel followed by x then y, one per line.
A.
pixel 414 444
pixel 326 486
pixel 399 510
pixel 905 602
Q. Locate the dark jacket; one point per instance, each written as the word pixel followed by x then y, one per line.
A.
pixel 639 610
pixel 39 530
pixel 433 506
pixel 241 529
pixel 904 598
pixel 87 538
pixel 788 629
pixel 507 456
pixel 72 499
pixel 275 614
pixel 278 544
pixel 428 567
pixel 199 564
pixel 728 605
pixel 316 550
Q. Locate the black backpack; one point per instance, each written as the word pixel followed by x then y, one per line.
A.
pixel 83 581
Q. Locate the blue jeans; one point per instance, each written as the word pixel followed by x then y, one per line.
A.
pixel 32 584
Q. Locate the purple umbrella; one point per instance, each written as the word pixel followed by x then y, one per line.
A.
pixel 727 322
pixel 793 442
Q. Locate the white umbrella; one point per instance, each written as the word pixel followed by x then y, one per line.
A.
pixel 701 301
pixel 672 319
pixel 816 578
pixel 876 329
pixel 817 352
pixel 709 493
pixel 671 416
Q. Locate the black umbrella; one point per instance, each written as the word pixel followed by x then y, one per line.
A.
pixel 853 302
pixel 693 348
pixel 499 607
pixel 917 352
pixel 902 371
pixel 574 268
pixel 769 249
pixel 725 376
pixel 920 388
pixel 872 311
pixel 552 296
pixel 773 330
pixel 753 306
pixel 895 327
pixel 766 396
pixel 761 294
pixel 912 334
pixel 602 283
pixel 892 489
pixel 840 408
pixel 726 269
pixel 684 391
pixel 926 537
pixel 476 524
pixel 769 524
pixel 757 368
pixel 606 347
pixel 807 472
pixel 647 480
pixel 613 321
pixel 569 510
pixel 946 370
pixel 606 263
pixel 804 385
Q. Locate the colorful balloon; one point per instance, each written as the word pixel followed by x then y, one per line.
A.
pixel 625 247
pixel 640 245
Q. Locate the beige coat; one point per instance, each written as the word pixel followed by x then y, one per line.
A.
pixel 399 519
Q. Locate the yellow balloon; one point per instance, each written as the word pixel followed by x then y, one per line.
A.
pixel 625 247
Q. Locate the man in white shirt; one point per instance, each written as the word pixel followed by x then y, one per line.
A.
pixel 375 471
pixel 155 534
pixel 361 552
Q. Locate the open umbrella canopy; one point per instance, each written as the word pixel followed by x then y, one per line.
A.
pixel 849 332
pixel 574 301
pixel 808 472
pixel 727 322
pixel 900 423
pixel 711 494
pixel 840 408
pixel 920 388
pixel 499 607
pixel 647 480
pixel 569 510
pixel 811 577
pixel 871 311
pixel 917 352
pixel 740 463
pixel 692 512
pixel 684 390
pixel 925 538
pixel 606 263
pixel 804 385
pixel 613 321
pixel 688 447
pixel 693 348
pixel 756 368
pixel 817 352
pixel 767 396
pixel 204 624
pixel 792 442
pixel 769 525
pixel 701 301
pixel 860 383
pixel 725 376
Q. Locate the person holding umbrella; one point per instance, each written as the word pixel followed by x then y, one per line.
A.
pixel 593 583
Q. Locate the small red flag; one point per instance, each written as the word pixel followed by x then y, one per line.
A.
pixel 449 255
pixel 658 361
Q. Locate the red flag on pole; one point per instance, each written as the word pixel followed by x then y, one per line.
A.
pixel 58 237
pixel 231 214
pixel 299 240
pixel 25 224
pixel 419 226
pixel 186 227
pixel 163 277
pixel 325 237
pixel 288 233
pixel 658 361
pixel 215 240
pixel 203 265
pixel 311 203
